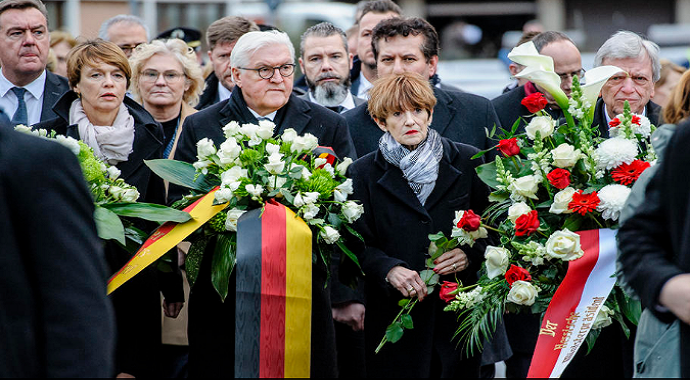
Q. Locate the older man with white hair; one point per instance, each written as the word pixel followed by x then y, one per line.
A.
pixel 263 65
pixel 639 60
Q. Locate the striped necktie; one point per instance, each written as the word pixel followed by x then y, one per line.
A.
pixel 21 115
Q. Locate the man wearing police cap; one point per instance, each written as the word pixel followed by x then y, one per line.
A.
pixel 192 37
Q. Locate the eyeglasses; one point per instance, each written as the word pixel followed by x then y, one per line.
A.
pixel 127 49
pixel 150 76
pixel 266 72
pixel 579 73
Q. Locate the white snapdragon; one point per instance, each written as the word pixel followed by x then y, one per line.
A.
pixel 310 211
pixel 302 199
pixel 254 190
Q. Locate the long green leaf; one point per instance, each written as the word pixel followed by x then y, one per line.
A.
pixel 183 174
pixel 108 225
pixel 223 263
pixel 348 252
pixel 193 260
pixel 487 173
pixel 148 211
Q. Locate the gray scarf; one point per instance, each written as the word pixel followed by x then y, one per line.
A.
pixel 419 166
pixel 112 144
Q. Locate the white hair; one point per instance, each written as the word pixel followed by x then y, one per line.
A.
pixel 250 42
pixel 626 44
pixel 128 19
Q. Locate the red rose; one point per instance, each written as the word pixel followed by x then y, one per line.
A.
pixel 534 102
pixel 447 291
pixel 626 174
pixel 614 123
pixel 527 224
pixel 516 273
pixel 470 221
pixel 636 119
pixel 509 147
pixel 559 178
pixel 584 203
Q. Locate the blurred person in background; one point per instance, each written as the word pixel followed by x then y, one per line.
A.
pixel 515 68
pixel 192 37
pixel 61 43
pixel 125 31
pixel 669 78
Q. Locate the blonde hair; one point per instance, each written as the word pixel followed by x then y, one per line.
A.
pixel 58 36
pixel 92 53
pixel 396 93
pixel 678 106
pixel 183 53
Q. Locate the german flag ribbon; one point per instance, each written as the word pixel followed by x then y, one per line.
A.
pixel 273 294
pixel 166 237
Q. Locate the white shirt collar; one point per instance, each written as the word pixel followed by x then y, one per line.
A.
pixel 364 87
pixel 348 103
pixel 223 93
pixel 271 115
pixel 608 119
pixel 35 88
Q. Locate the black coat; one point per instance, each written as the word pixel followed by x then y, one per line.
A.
pixel 137 303
pixel 395 227
pixel 461 117
pixel 55 319
pixel 55 87
pixel 654 242
pixel 210 95
pixel 653 114
pixel 211 322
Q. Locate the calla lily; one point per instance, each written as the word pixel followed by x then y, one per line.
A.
pixel 527 55
pixel 548 80
pixel 595 80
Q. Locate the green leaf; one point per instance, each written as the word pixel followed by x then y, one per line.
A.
pixel 288 196
pixel 629 307
pixel 573 222
pixel 591 339
pixel 394 332
pixel 193 259
pixel 183 174
pixel 429 277
pixel 223 263
pixel 403 302
pixel 429 290
pixel 487 173
pixel 498 196
pixel 353 232
pixel 348 253
pixel 436 237
pixel 406 321
pixel 148 211
pixel 108 225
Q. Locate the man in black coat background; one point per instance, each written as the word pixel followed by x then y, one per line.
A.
pixel 262 67
pixel 55 319
pixel 412 45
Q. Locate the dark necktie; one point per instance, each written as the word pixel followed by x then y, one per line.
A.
pixel 20 116
pixel 336 109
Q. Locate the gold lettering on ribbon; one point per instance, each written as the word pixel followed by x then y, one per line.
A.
pixel 550 329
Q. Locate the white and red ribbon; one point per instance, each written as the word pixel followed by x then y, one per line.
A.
pixel 576 303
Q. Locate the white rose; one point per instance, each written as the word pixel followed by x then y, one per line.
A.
pixel 541 124
pixel 303 199
pixel 309 212
pixel 233 217
pixel 603 318
pixel 312 142
pixel 272 149
pixel 275 164
pixel 265 130
pixel 561 201
pixel 522 293
pixel 319 162
pixel 130 195
pixel 233 174
pixel 254 190
pixel 202 166
pixel 223 195
pixel 116 191
pixel 497 261
pixel 289 135
pixel 564 245
pixel 517 210
pixel 205 148
pixel 231 129
pixel 229 151
pixel 113 172
pixel 352 211
pixel 346 187
pixel 249 130
pixel 339 196
pixel 343 165
pixel 565 156
pixel 525 187
pixel 330 235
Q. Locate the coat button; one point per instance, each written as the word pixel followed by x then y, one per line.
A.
pixel 424 221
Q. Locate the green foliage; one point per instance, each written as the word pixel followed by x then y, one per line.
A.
pixel 182 174
pixel 148 211
pixel 108 225
pixel 223 263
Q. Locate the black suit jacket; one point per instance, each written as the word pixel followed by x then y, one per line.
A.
pixel 653 114
pixel 395 227
pixel 458 116
pixel 55 319
pixel 210 95
pixel 655 242
pixel 55 87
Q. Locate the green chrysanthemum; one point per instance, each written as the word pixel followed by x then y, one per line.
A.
pixel 217 223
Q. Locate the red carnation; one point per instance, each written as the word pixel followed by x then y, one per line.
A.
pixel 470 221
pixel 626 174
pixel 534 102
pixel 584 203
pixel 509 147
pixel 447 291
pixel 516 273
pixel 559 178
pixel 614 123
pixel 636 119
pixel 527 224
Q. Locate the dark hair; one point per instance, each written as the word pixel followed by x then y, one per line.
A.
pixel 324 29
pixel 379 6
pixel 228 29
pixel 544 38
pixel 404 27
pixel 24 4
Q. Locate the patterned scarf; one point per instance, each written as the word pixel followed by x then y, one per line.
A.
pixel 419 166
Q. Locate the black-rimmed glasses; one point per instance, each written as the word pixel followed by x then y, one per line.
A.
pixel 266 72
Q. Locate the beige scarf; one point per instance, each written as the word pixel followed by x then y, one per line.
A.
pixel 113 144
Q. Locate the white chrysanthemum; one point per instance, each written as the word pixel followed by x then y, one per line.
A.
pixel 644 128
pixel 612 199
pixel 614 152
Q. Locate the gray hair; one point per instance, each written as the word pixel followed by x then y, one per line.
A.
pixel 625 44
pixel 183 53
pixel 250 42
pixel 544 38
pixel 324 29
pixel 128 19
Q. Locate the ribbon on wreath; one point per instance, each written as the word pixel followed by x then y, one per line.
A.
pixel 273 294
pixel 165 238
pixel 576 304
